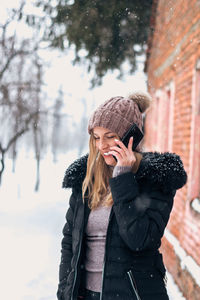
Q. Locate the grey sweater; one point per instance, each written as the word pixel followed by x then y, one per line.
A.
pixel 96 230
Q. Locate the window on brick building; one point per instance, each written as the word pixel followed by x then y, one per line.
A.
pixel 194 173
pixel 156 122
pixel 165 103
pixel 165 129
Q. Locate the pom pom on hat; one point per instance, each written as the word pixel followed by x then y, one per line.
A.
pixel 142 99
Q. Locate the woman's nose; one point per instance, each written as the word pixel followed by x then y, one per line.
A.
pixel 102 144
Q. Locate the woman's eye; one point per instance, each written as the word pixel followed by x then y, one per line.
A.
pixel 108 137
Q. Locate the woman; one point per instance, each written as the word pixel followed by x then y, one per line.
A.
pixel 119 207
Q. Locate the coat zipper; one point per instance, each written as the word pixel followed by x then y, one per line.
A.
pixel 101 295
pixel 79 252
pixel 133 284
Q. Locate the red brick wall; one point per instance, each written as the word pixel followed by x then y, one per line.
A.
pixel 173 122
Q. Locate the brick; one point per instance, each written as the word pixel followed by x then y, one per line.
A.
pixel 173 56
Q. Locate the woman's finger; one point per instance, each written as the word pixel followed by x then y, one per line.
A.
pixel 116 154
pixel 130 143
pixel 121 144
pixel 118 149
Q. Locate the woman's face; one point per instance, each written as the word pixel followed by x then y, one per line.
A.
pixel 104 139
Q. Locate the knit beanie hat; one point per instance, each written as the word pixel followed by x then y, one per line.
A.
pixel 119 113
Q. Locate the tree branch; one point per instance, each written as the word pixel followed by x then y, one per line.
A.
pixel 19 52
pixel 20 132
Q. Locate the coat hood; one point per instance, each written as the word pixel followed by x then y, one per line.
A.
pixel 163 169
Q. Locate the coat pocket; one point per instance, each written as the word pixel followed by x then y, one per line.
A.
pixel 133 284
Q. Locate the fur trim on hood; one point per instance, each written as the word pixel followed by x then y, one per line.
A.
pixel 163 169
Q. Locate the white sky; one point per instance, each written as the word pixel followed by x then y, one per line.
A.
pixel 75 83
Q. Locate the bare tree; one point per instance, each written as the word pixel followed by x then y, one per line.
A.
pixel 38 137
pixel 19 105
pixel 10 47
pixel 81 133
pixel 55 142
pixel 20 89
pixel 13 139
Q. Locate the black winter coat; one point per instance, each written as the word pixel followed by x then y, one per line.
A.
pixel 133 267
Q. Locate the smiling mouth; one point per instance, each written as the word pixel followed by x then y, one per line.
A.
pixel 106 153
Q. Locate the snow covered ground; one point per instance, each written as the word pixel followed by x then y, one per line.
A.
pixel 31 230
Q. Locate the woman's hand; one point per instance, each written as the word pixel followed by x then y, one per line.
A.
pixel 125 156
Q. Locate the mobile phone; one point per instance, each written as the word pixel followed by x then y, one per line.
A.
pixel 137 136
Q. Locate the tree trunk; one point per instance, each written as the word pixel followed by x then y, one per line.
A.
pixel 14 157
pixel 2 166
pixel 37 184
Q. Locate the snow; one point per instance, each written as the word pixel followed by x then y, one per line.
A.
pixel 187 262
pixel 31 230
pixel 173 291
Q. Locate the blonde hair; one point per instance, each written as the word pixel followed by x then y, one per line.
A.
pixel 96 183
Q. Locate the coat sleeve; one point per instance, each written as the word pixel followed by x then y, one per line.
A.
pixel 141 216
pixel 66 248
